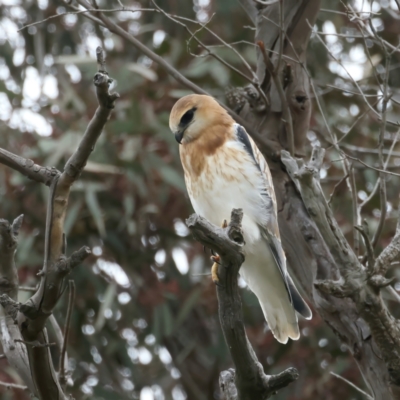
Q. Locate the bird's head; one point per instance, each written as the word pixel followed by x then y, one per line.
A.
pixel 192 115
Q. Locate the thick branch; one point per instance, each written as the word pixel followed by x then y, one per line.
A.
pixel 35 312
pixel 15 352
pixel 249 378
pixel 8 245
pixel 28 167
pixel 356 282
pixel 389 254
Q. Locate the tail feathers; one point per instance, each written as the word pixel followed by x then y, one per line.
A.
pixel 298 302
pixel 282 321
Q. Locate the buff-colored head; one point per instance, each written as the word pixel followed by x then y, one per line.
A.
pixel 192 115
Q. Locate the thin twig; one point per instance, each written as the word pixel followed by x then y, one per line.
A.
pixel 253 80
pixel 352 385
pixel 382 185
pixel 368 165
pixel 104 21
pixel 374 190
pixel 285 108
pixel 335 188
pixel 13 386
pixel 27 288
pixel 71 300
pixel 281 35
pixel 353 191
pixel 347 72
pixel 113 10
pixel 359 118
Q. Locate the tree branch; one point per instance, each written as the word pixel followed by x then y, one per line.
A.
pixel 250 8
pixel 249 378
pixel 356 282
pixel 14 352
pixel 114 28
pixel 28 168
pixel 33 314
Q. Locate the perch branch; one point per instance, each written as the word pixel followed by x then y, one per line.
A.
pixel 248 378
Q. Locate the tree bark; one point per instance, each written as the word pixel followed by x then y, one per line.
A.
pixel 309 257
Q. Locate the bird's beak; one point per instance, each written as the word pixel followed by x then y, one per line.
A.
pixel 179 135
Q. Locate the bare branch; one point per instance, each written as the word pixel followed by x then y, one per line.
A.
pixel 28 167
pixel 32 315
pixel 250 8
pixel 8 385
pixel 71 299
pixel 265 144
pixel 352 385
pixel 382 180
pixel 249 378
pixel 285 108
pixel 389 254
pixel 14 352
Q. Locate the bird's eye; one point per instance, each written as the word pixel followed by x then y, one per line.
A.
pixel 188 116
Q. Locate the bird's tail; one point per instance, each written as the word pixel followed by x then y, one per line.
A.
pixel 298 302
pixel 281 317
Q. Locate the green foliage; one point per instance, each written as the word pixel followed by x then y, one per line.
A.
pixel 140 322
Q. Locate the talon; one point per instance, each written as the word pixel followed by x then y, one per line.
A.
pixel 216 259
pixel 214 273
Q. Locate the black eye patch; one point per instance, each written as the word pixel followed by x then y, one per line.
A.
pixel 187 117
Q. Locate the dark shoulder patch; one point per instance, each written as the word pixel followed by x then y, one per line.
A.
pixel 244 139
pixel 279 257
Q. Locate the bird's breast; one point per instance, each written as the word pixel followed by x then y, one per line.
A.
pixel 226 181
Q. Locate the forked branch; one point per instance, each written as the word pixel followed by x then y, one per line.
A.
pixel 248 381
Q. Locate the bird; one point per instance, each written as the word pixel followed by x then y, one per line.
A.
pixel 224 169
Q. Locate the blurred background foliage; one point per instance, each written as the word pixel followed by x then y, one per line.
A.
pixel 145 323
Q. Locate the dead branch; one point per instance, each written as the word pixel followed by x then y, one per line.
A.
pixel 14 352
pixel 101 19
pixel 33 314
pixel 28 167
pixel 248 381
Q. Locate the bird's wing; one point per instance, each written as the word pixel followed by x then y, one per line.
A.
pixel 270 229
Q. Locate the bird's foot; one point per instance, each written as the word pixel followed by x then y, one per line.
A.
pixel 214 269
pixel 216 259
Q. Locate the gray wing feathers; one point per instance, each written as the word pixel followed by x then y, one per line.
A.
pixel 273 241
pixel 298 302
pixel 279 257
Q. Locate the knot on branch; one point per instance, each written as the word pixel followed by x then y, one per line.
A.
pixel 10 306
pixel 238 97
pixel 379 281
pixel 64 265
pixel 7 285
pixel 281 380
pixel 227 242
pixel 270 384
pixel 102 82
pixel 9 234
pixel 335 288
